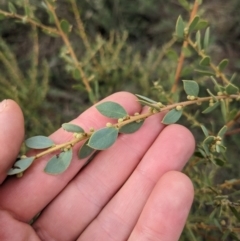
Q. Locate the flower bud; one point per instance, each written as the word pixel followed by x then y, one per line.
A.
pixel 109 124
pixel 178 107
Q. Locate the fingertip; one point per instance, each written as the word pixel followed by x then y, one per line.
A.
pixel 11 134
pixel 166 210
pixel 179 183
pixel 183 137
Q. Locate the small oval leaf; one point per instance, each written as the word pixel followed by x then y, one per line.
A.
pixel 193 24
pixel 131 127
pixel 191 87
pixel 205 61
pixel 222 132
pixel 205 131
pixel 141 97
pixel 21 165
pixel 111 110
pixel 198 40
pixel 211 108
pixel 65 26
pixel 219 162
pixel 223 64
pixel 185 4
pixel 209 140
pixel 172 116
pixel 103 138
pixel 72 128
pixel 12 8
pixel 59 163
pixel 206 39
pixel 180 28
pixel 205 72
pixel 232 89
pixel 39 142
pixel 172 55
pixel 85 151
pixel 201 25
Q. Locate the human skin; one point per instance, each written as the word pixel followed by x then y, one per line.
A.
pixel 132 191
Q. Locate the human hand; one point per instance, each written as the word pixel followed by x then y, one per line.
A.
pixel 131 191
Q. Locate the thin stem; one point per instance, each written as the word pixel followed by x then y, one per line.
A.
pixel 30 21
pixel 232 122
pixel 185 44
pixel 131 119
pixel 213 66
pixel 62 146
pixel 233 132
pixel 70 49
pixel 80 25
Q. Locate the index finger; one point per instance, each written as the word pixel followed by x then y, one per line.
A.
pixel 11 134
pixel 27 196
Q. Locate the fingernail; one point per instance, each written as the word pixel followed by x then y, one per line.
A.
pixel 3 105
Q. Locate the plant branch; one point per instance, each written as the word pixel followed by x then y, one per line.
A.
pixel 185 44
pixel 80 25
pixel 232 122
pixel 131 119
pixel 70 49
pixel 33 22
pixel 212 66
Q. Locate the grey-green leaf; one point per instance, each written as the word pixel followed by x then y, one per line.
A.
pixel 185 4
pixel 180 28
pixel 193 24
pixel 12 8
pixel 85 151
pixel 232 89
pixel 65 26
pixel 206 39
pixel 103 138
pixel 208 140
pixel 223 64
pixel 154 106
pixel 213 96
pixel 172 55
pixel 131 127
pixel 205 131
pixel 191 87
pixel 111 109
pixel 21 165
pixel 219 162
pixel 72 128
pixel 205 61
pixel 141 97
pixel 211 108
pixel 201 25
pixel 222 132
pixel 221 148
pixel 198 39
pixel 39 142
pixel 172 116
pixel 205 72
pixel 59 163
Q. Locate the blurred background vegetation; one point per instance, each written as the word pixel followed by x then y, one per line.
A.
pixel 120 45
